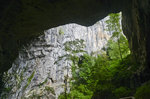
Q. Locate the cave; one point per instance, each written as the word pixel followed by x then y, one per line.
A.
pixel 22 20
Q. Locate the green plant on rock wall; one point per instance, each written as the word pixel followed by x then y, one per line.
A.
pixel 50 89
pixel 40 93
pixel 73 48
pixel 17 75
pixel 29 80
pixel 42 83
pixel 61 32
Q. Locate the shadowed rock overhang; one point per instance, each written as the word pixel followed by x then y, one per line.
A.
pixel 23 20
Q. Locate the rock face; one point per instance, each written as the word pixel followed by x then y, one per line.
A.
pixel 136 22
pixel 23 20
pixel 35 72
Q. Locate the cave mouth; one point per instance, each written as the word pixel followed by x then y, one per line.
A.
pixel 135 22
pixel 92 56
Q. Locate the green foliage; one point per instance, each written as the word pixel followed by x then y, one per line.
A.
pixel 61 32
pixel 113 48
pixel 118 44
pixel 74 46
pixel 74 94
pixel 29 80
pixel 113 23
pixel 105 76
pixel 45 81
pixel 50 89
pixel 122 92
pixel 86 76
pixel 143 92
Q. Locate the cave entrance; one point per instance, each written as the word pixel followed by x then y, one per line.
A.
pixel 74 60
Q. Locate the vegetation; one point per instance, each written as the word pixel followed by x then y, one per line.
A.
pixel 42 83
pixel 61 32
pixel 73 48
pixel 117 45
pixel 29 80
pixel 143 92
pixel 50 89
pixel 108 75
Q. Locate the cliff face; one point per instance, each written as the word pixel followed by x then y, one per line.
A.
pixel 35 72
pixel 23 20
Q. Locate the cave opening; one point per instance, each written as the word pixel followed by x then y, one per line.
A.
pixel 90 62
pixel 112 75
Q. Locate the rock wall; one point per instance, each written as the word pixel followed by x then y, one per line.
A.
pixel 23 20
pixel 136 22
pixel 35 74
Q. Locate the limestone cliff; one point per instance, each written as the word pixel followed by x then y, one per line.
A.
pixel 35 74
pixel 23 20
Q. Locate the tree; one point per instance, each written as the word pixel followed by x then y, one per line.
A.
pixel 73 49
pixel 103 76
pixel 118 44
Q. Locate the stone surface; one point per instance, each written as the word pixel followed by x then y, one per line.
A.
pixel 35 72
pixel 136 22
pixel 23 20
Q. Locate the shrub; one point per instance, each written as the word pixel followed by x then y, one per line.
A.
pixel 143 92
pixel 121 92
